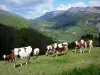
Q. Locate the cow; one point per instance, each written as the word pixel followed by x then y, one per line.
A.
pixel 89 44
pixel 36 52
pixel 83 44
pixel 61 48
pixel 22 52
pixel 56 48
pixel 9 58
pixel 50 49
pixel 77 45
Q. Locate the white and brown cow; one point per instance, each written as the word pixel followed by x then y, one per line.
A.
pixel 89 44
pixel 63 47
pixel 83 44
pixel 77 45
pixel 22 52
pixel 56 48
pixel 50 49
pixel 9 58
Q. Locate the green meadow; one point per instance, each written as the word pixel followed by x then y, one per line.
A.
pixel 72 63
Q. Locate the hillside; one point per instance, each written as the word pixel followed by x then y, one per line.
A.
pixel 13 20
pixel 70 64
pixel 69 25
pixel 16 32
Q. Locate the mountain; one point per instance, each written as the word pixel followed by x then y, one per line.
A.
pixel 69 25
pixel 13 20
pixel 85 9
pixel 52 14
pixel 90 15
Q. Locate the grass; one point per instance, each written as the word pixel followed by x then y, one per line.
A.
pixel 70 64
pixel 90 70
pixel 60 35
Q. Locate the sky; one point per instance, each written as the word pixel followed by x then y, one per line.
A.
pixel 31 9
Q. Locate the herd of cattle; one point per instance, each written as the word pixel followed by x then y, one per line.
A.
pixel 53 48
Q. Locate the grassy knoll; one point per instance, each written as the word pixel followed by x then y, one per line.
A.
pixel 70 64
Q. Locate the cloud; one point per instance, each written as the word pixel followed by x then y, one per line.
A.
pixel 63 7
pixel 28 8
pixel 4 7
pixel 27 2
pixel 79 4
pixel 19 2
pixel 28 15
pixel 66 7
pixel 34 8
pixel 45 8
pixel 35 12
pixel 94 3
pixel 30 11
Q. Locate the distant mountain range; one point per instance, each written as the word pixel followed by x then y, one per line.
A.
pixel 88 15
pixel 70 24
pixel 67 25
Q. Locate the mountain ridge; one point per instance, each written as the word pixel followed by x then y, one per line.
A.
pixel 79 20
pixel 72 16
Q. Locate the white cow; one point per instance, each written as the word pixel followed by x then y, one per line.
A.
pixel 22 52
pixel 36 52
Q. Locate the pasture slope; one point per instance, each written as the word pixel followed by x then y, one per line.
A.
pixel 70 64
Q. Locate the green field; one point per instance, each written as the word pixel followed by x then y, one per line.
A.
pixel 62 65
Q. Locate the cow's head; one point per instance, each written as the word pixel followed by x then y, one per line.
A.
pixel 16 51
pixel 82 41
pixel 65 43
pixel 55 45
pixel 4 56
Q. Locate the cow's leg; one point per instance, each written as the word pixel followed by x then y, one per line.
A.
pixel 6 61
pixel 65 52
pixel 36 55
pixel 54 51
pixel 21 60
pixel 90 48
pixel 47 53
pixel 15 61
pixel 57 54
pixel 75 49
pixel 28 57
pixel 81 50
